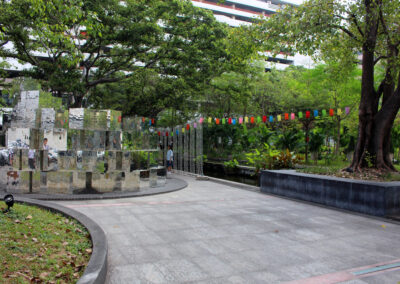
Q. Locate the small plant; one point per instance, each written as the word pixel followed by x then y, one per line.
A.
pixel 262 159
pixel 285 160
pixel 369 159
pixel 231 164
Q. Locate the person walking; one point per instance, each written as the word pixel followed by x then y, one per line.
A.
pixel 170 159
pixel 31 159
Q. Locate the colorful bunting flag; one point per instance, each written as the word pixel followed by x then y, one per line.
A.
pixel 279 117
pixel 339 111
pixel 229 120
pixel 258 119
pixel 315 113
pixel 331 112
pixel 252 120
pixel 195 125
pixel 300 114
pixel 246 119
pixel 308 114
pixel 264 118
pixel 240 120
pixel 233 121
pixel 347 110
pixel 286 116
pixel 323 112
pixel 271 118
pixel 292 116
pixel 187 127
pixel 223 121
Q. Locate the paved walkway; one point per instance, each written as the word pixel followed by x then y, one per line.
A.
pixel 213 233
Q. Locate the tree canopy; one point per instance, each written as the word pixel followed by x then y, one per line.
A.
pixel 76 46
pixel 341 31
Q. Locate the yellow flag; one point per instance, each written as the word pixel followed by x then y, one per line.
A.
pixel 246 119
pixel 339 111
pixel 279 117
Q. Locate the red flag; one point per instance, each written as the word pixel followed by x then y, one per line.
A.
pixel 264 118
pixel 307 114
pixel 166 134
pixel 159 133
pixel 187 126
pixel 331 112
pixel 217 120
pixel 286 116
pixel 229 120
pixel 252 119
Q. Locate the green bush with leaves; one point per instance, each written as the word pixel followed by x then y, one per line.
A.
pixel 232 164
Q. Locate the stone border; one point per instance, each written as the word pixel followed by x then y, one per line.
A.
pixel 367 197
pixel 96 270
pixel 173 184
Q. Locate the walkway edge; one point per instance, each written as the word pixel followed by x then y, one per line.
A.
pixel 96 270
pixel 173 184
pixel 221 181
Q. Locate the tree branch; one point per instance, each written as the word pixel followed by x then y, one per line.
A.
pixel 108 80
pixel 353 16
pixel 379 58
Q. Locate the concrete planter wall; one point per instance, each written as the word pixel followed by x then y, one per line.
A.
pixel 373 198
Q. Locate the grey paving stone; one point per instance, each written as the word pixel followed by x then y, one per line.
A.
pixel 180 270
pixel 212 233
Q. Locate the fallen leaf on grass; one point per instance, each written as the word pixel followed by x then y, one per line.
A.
pixel 76 275
pixel 88 250
pixel 67 230
pixel 17 221
pixel 35 240
pixel 59 275
pixel 43 275
pixel 78 230
pixel 24 275
pixel 28 217
pixel 65 243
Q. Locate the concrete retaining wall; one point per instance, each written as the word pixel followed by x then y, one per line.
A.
pixel 373 198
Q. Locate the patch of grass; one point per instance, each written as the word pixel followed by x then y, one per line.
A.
pixel 337 171
pixel 322 170
pixel 37 245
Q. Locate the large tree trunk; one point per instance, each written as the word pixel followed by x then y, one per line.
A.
pixel 373 145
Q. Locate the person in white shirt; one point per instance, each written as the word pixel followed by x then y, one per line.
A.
pixel 45 146
pixel 170 158
pixel 31 159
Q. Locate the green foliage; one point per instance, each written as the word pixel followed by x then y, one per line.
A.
pixel 288 140
pixel 168 61
pixel 231 164
pixel 46 100
pixel 316 142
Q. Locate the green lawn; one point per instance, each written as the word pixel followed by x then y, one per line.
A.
pixel 37 245
pixel 335 168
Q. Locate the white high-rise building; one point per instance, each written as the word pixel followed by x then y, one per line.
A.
pixel 244 12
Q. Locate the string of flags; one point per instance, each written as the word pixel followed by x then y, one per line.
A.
pixel 271 118
pixel 252 119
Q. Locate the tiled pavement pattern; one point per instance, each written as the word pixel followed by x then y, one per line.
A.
pixel 213 233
